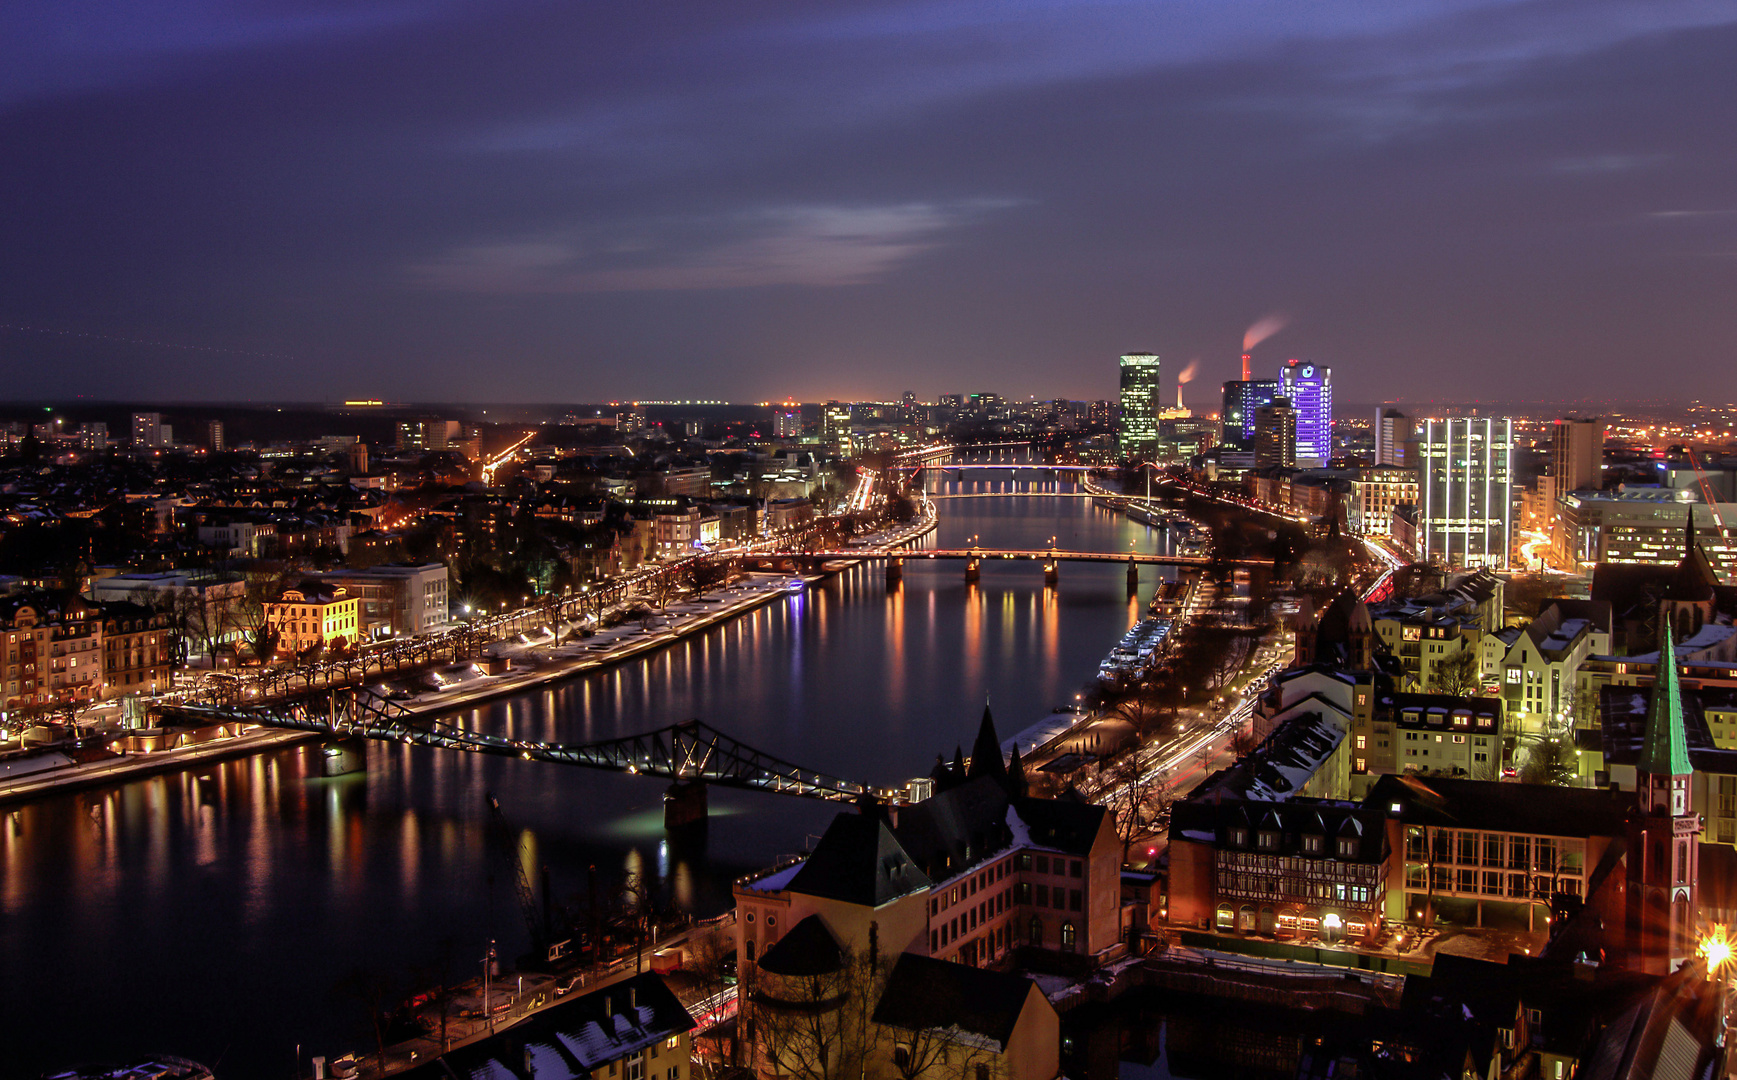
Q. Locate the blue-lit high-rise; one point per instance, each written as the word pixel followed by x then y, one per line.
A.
pixel 1310 390
pixel 1241 398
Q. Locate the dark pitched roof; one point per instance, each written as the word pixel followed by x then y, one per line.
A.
pixel 570 1040
pixel 924 994
pixel 986 751
pixel 1623 712
pixel 808 949
pixel 859 861
pixel 1061 824
pixel 948 832
pixel 1204 821
pixel 1498 807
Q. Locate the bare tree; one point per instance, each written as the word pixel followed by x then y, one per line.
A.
pixel 1458 675
pixel 811 1027
pixel 1137 796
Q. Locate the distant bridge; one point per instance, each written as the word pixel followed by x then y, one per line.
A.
pixel 933 497
pixel 1050 558
pixel 962 466
pixel 691 753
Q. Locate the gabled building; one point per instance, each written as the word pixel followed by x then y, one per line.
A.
pixel 974 874
pixel 635 1029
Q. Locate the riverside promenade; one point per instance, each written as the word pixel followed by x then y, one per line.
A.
pixel 534 663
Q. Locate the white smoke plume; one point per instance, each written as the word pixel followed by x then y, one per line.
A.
pixel 1264 327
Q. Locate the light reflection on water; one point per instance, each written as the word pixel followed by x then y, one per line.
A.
pixel 211 913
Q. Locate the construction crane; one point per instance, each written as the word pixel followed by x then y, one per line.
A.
pixel 1707 493
pixel 543 949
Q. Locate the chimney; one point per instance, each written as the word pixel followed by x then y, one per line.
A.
pixel 1245 359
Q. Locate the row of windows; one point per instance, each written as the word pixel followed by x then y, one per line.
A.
pixel 1313 843
pixel 1512 851
pixel 1260 886
pixel 1488 883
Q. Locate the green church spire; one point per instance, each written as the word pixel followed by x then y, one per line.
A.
pixel 1665 751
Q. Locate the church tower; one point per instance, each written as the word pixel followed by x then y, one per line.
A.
pixel 1663 832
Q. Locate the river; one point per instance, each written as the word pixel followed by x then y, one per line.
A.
pixel 215 913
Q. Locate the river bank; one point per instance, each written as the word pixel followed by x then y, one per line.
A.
pixel 544 664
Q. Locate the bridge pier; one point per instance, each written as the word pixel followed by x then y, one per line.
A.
pixel 684 805
pixel 1052 572
pixel 972 570
pixel 341 757
pixel 1133 577
pixel 895 571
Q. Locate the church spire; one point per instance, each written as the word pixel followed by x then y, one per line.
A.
pixel 986 751
pixel 1665 749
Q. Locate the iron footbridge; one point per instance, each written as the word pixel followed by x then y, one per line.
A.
pixel 691 752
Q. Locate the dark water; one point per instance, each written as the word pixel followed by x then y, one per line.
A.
pixel 213 913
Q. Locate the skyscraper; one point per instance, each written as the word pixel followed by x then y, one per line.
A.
pixel 1392 431
pixel 1465 468
pixel 1275 435
pixel 1241 399
pixel 835 427
pixel 1310 390
pixel 1577 454
pixel 1141 401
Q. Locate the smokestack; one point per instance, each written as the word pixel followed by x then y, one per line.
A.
pixel 1245 359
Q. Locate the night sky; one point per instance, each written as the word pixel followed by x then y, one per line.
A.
pixel 574 201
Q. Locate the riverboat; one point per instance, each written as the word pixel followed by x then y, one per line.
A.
pixel 159 1067
pixel 1133 656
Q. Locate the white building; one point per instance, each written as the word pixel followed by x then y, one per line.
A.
pixel 397 599
pixel 1465 471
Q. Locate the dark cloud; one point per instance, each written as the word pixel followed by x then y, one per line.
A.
pixel 564 201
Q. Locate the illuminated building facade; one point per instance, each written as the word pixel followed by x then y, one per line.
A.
pixel 1241 398
pixel 1141 401
pixel 1465 468
pixel 1309 388
pixel 1392 432
pixel 1275 435
pixel 835 427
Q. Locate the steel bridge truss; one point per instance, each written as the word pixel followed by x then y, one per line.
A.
pixel 691 751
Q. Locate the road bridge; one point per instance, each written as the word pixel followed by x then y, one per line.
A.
pixel 933 497
pixel 1050 558
pixel 692 754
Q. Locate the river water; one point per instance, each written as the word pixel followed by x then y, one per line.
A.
pixel 215 913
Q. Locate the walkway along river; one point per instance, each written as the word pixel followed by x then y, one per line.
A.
pixel 213 913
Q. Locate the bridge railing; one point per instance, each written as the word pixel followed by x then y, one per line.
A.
pixel 691 750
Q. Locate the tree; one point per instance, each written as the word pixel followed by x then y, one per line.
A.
pixel 1524 594
pixel 1137 796
pixel 815 1027
pixel 710 963
pixel 1458 675
pixel 938 1052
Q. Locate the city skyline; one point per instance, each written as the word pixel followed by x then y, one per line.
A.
pixel 598 203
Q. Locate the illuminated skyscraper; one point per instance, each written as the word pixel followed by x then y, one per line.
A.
pixel 1465 470
pixel 1141 401
pixel 1241 399
pixel 835 427
pixel 1392 431
pixel 1275 435
pixel 1309 388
